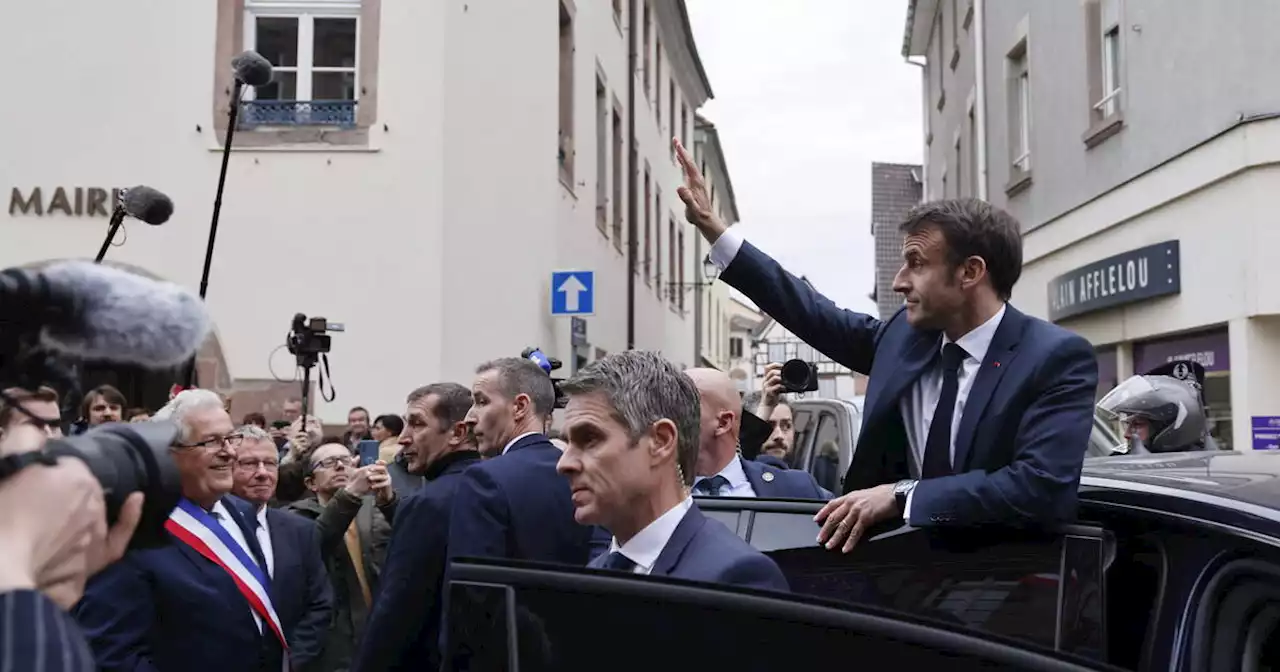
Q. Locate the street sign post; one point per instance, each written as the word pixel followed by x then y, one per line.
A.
pixel 573 293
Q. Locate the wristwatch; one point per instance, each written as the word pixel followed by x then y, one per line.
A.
pixel 901 490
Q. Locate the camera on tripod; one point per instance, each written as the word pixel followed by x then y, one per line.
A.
pixel 309 338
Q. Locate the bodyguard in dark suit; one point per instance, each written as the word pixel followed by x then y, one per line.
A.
pixel 514 504
pixel 975 413
pixel 300 587
pixel 721 470
pixel 632 426
pixel 404 627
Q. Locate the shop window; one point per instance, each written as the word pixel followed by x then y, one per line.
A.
pixel 1217 399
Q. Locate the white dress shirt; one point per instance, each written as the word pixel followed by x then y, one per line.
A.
pixel 738 485
pixel 264 540
pixel 644 548
pixel 512 442
pixel 921 401
pixel 224 519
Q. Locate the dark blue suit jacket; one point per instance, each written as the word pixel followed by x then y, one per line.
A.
pixel 702 549
pixel 170 608
pixel 1022 438
pixel 41 636
pixel 404 627
pixel 516 506
pixel 300 589
pixel 770 482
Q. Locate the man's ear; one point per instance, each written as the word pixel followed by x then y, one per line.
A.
pixel 458 434
pixel 523 405
pixel 662 444
pixel 972 271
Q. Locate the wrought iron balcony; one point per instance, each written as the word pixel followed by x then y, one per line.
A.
pixel 337 113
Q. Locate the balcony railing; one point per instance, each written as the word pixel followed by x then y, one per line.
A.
pixel 337 113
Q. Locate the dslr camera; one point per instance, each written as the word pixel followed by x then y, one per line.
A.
pixel 309 338
pixel 799 376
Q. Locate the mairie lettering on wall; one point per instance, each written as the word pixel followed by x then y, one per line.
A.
pixel 65 201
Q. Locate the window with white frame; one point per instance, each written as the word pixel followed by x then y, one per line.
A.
pixel 312 46
pixel 1023 159
pixel 1110 103
pixel 1018 92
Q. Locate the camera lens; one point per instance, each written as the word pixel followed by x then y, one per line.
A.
pixel 795 375
pixel 127 458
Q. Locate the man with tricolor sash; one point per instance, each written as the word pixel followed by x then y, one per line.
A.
pixel 202 602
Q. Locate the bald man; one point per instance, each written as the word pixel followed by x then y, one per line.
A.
pixel 722 472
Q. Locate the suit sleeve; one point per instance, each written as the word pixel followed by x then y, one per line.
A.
pixel 35 629
pixel 756 570
pixel 309 635
pixel 116 613
pixel 335 518
pixel 1040 484
pixel 398 628
pixel 845 336
pixel 480 523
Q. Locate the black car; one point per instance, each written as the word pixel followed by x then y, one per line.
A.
pixel 1176 568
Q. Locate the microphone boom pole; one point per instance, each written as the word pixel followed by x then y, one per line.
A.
pixel 250 68
pixel 117 218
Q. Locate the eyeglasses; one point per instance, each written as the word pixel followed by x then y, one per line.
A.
pixel 230 441
pixel 250 464
pixel 333 462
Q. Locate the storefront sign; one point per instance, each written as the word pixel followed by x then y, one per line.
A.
pixel 1136 275
pixel 1266 432
pixel 67 201
pixel 1210 349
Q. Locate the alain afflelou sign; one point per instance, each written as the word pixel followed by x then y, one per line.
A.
pixel 1136 275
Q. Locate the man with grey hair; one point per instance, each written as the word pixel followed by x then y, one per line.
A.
pixel 514 504
pixel 632 425
pixel 137 612
pixel 300 587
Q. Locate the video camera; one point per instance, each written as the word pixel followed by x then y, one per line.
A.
pixel 547 364
pixel 52 320
pixel 309 338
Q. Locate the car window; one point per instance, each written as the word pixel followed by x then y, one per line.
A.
pixel 1007 588
pixel 803 422
pixel 825 461
pixel 501 618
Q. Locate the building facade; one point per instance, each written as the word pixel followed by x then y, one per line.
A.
pixel 745 324
pixel 895 189
pixel 712 298
pixel 417 171
pixel 1137 148
pixel 774 343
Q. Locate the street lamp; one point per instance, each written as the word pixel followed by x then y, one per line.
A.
pixel 709 270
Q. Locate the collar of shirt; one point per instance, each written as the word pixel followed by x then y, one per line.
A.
pixel 976 343
pixel 262 517
pixel 733 473
pixel 644 548
pixel 512 442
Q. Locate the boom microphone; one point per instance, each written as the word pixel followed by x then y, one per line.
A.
pixel 95 312
pixel 252 69
pixel 141 203
pixel 147 205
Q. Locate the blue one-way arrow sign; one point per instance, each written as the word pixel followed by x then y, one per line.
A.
pixel 573 292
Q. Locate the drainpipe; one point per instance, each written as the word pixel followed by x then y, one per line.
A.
pixel 633 210
pixel 980 94
pixel 924 121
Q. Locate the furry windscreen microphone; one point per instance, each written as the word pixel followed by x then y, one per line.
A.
pixel 252 69
pixel 146 204
pixel 99 313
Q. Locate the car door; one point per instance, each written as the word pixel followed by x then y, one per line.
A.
pixel 1003 582
pixel 829 436
pixel 508 616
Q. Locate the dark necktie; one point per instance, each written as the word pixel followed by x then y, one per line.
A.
pixel 618 562
pixel 937 448
pixel 711 486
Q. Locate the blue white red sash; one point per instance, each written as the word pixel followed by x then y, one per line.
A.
pixel 194 527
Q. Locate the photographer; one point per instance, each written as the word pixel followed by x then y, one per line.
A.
pixel 775 410
pixel 53 537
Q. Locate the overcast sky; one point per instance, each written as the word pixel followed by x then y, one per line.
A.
pixel 807 94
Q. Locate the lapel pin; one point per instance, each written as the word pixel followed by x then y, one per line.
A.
pixel 768 477
pixel 995 364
